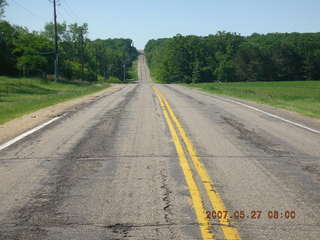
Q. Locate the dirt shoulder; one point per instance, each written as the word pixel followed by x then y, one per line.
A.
pixel 17 126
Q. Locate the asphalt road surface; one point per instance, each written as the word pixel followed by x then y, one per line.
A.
pixel 155 161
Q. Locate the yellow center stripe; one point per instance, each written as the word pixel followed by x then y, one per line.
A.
pixel 202 219
pixel 216 201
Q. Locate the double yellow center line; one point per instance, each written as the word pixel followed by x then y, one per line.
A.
pixel 230 233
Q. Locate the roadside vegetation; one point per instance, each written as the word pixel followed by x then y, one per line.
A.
pixel 133 72
pixel 27 65
pixel 230 57
pixel 280 69
pixel 28 54
pixel 19 96
pixel 299 96
pixel 25 53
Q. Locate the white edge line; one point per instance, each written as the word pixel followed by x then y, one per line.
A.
pixel 23 135
pixel 266 113
pixel 270 114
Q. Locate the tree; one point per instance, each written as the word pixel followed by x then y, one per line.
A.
pixel 231 57
pixel 312 65
pixel 33 51
pixel 7 57
pixel 196 73
pixel 3 4
pixel 225 72
pixel 62 31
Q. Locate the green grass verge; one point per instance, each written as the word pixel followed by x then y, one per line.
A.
pixel 299 96
pixel 19 96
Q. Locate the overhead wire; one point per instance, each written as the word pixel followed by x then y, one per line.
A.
pixel 70 10
pixel 61 16
pixel 69 16
pixel 29 11
pixel 65 10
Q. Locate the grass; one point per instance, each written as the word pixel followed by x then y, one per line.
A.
pixel 298 96
pixel 19 96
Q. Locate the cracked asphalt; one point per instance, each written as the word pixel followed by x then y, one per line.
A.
pixel 110 170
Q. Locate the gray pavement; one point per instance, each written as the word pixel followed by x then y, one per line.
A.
pixel 110 170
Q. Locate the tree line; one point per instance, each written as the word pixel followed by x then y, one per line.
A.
pixel 31 53
pixel 229 57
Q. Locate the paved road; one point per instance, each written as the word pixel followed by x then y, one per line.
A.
pixel 151 161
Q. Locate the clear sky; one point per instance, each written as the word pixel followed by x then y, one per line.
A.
pixel 142 20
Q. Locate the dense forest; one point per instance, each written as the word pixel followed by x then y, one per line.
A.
pixel 230 57
pixel 26 53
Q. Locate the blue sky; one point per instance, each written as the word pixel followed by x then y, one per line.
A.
pixel 142 20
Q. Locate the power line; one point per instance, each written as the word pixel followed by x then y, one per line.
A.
pixel 76 17
pixel 28 10
pixel 61 16
pixel 64 10
pixel 67 11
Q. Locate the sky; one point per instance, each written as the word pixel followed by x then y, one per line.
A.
pixel 142 20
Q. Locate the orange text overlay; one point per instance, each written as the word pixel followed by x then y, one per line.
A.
pixel 252 214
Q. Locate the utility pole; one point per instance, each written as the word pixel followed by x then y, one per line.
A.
pixel 124 72
pixel 55 42
pixel 82 53
pixel 97 62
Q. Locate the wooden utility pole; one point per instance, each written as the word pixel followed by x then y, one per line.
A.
pixel 82 52
pixel 56 72
pixel 97 62
pixel 124 72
